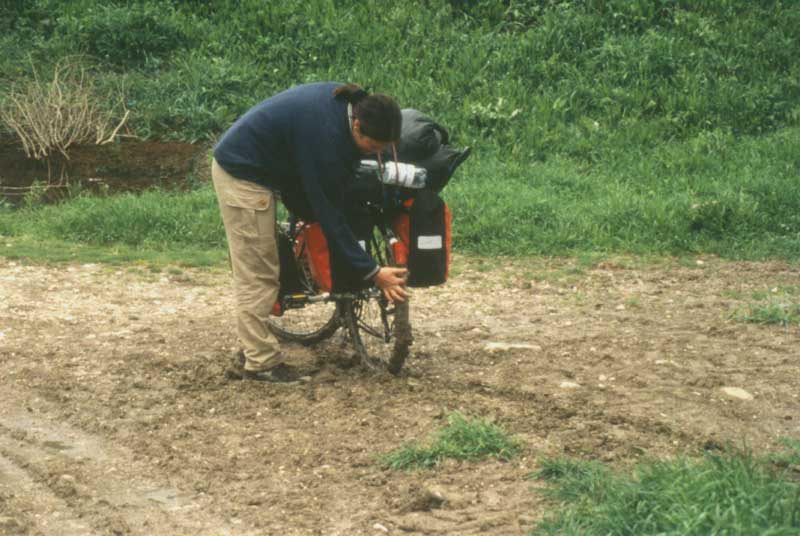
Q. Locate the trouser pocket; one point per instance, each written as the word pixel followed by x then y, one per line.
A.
pixel 248 214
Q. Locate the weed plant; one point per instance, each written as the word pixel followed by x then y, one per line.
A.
pixel 772 312
pixel 461 439
pixel 731 493
pixel 778 306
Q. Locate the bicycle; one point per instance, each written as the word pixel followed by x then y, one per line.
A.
pixel 379 330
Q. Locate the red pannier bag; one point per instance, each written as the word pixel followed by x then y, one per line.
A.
pixel 312 243
pixel 401 225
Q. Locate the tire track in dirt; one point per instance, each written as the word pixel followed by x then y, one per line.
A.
pixel 22 500
pixel 64 481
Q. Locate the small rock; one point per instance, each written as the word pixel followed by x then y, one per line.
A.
pixel 64 486
pixel 736 392
pixel 569 385
pixel 378 526
pixel 424 500
pixel 620 307
pixel 667 362
pixel 504 346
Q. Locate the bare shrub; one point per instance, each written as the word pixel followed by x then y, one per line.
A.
pixel 51 115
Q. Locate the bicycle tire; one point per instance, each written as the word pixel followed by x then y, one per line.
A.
pixel 379 346
pixel 305 331
pixel 312 323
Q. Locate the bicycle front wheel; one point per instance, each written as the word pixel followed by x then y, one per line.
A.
pixel 380 330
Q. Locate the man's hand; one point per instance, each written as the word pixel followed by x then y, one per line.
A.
pixel 392 281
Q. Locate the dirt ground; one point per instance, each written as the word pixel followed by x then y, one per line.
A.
pixel 116 418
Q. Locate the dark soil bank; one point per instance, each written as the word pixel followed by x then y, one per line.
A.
pixel 123 166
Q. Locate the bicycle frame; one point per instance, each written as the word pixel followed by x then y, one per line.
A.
pixel 370 321
pixel 387 237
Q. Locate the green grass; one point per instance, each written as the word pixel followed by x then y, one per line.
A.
pixel 729 494
pixel 775 306
pixel 155 226
pixel 773 312
pixel 531 77
pixel 598 127
pixel 461 439
pixel 742 205
pixel 790 457
pixel 746 206
pixel 59 251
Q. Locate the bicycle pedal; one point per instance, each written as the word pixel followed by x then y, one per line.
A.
pixel 295 301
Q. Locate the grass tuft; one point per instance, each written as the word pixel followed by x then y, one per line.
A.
pixel 461 439
pixel 778 306
pixel 789 458
pixel 779 313
pixel 732 493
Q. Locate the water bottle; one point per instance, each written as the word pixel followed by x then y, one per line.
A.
pixel 396 173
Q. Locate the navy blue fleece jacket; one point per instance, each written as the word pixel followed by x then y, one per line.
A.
pixel 299 141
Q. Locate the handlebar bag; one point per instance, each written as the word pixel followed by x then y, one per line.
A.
pixel 428 239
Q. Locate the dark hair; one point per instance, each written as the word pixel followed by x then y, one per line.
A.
pixel 378 114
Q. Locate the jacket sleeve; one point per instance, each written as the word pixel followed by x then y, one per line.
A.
pixel 313 169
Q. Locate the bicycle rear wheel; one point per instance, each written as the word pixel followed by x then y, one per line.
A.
pixel 380 331
pixel 306 324
pixel 309 316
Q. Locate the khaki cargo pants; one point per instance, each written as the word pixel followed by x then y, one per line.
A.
pixel 248 213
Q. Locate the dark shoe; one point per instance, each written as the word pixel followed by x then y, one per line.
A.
pixel 281 373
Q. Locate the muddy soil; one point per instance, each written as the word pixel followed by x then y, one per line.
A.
pixel 116 418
